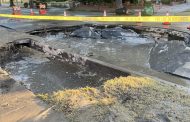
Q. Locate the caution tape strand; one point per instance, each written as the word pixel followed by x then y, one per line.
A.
pixel 105 19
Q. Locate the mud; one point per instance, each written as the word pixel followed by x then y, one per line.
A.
pixel 41 74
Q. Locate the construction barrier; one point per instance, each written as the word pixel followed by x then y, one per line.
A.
pixel 105 19
pixel 42 10
pixel 166 22
pixel 16 10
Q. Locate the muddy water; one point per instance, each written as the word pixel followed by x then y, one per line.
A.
pixel 134 53
pixel 43 75
pixel 112 51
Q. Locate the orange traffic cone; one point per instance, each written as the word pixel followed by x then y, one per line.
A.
pixel 127 12
pixel 19 11
pixel 65 13
pixel 166 26
pixel 139 14
pixel 14 10
pixel 42 10
pixel 105 14
pixel 139 23
pixel 166 23
pixel 31 12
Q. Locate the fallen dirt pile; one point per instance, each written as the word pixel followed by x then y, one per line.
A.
pixel 123 99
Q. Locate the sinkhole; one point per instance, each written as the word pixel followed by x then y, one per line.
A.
pixel 138 48
pixel 78 56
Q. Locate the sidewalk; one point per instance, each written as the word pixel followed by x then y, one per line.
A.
pixel 18 104
pixel 172 9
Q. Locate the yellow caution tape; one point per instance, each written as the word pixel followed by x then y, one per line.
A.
pixel 105 19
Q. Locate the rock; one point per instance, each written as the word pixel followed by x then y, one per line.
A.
pixel 2 72
pixel 118 32
pixel 90 54
pixel 126 36
pixel 55 37
pixel 171 57
pixel 86 32
pixel 183 70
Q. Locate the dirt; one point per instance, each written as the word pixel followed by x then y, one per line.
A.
pixel 117 100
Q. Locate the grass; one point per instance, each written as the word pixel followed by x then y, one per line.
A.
pixel 122 99
pixel 126 88
pixel 124 84
pixel 72 99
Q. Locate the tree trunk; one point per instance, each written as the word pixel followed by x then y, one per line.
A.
pixel 119 4
pixel 12 3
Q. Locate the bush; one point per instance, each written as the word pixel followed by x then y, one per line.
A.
pixel 148 9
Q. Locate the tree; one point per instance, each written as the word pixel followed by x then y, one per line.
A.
pixel 119 4
pixel 12 3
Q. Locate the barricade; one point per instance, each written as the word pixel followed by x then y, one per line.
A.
pixel 42 10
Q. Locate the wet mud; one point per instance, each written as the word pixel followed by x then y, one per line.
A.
pixel 42 74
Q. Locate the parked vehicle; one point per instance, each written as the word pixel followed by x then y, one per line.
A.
pixel 34 3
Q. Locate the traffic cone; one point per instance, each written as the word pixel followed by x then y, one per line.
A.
pixel 166 26
pixel 31 12
pixel 166 23
pixel 42 10
pixel 127 12
pixel 139 15
pixel 18 11
pixel 105 14
pixel 13 10
pixel 65 13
